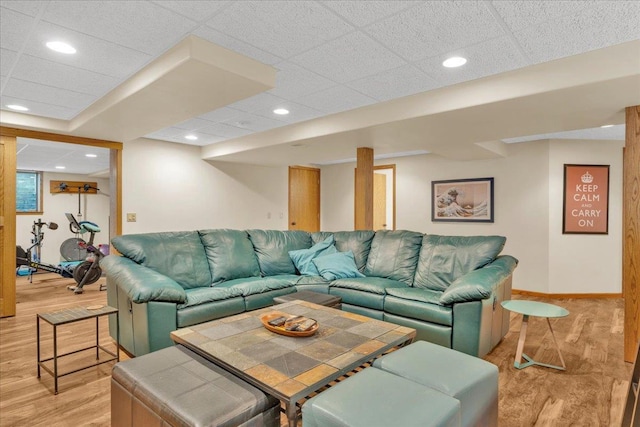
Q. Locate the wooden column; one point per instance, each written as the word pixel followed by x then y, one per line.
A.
pixel 7 225
pixel 631 233
pixel 364 190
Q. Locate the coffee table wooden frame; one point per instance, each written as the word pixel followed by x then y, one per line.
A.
pixel 190 340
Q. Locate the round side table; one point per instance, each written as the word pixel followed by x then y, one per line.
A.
pixel 538 309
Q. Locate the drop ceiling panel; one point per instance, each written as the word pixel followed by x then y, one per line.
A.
pixel 224 130
pixel 254 122
pixel 93 54
pixel 50 95
pixel 42 155
pixel 610 133
pixel 49 73
pixel 362 13
pixel 15 29
pixel 42 109
pixel 30 8
pixel 436 27
pixel 485 58
pixel 335 99
pixel 293 81
pixel 395 83
pixel 7 59
pixel 139 25
pixel 297 113
pixel 193 124
pixel 195 10
pixel 523 14
pixel 221 114
pixel 282 28
pixel 350 57
pixel 236 45
pixel 607 24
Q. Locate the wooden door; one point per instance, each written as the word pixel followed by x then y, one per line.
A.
pixel 8 225
pixel 379 201
pixel 304 198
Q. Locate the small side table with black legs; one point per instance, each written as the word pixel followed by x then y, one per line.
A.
pixel 71 315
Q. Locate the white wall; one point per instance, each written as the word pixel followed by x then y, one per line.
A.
pixel 170 188
pixel 95 208
pixel 585 263
pixel 528 210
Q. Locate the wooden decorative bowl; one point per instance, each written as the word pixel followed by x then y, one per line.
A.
pixel 280 329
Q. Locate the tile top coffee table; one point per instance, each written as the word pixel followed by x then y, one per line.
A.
pixel 538 309
pixel 291 368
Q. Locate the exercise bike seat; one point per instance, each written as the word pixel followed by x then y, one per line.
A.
pixel 88 226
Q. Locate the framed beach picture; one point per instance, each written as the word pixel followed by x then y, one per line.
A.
pixel 462 200
pixel 586 199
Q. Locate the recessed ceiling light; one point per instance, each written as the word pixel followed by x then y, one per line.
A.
pixel 606 126
pixel 61 47
pixel 191 137
pixel 454 61
pixel 60 167
pixel 17 107
pixel 281 111
pixel 91 155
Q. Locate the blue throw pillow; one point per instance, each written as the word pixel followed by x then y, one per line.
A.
pixel 302 258
pixel 340 265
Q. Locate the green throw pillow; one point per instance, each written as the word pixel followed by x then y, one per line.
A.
pixel 340 265
pixel 302 258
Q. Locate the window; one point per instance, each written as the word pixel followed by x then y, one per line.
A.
pixel 29 192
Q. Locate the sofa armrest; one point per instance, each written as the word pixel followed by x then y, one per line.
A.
pixel 141 284
pixel 479 284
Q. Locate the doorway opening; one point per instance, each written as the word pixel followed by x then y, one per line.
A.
pixel 384 197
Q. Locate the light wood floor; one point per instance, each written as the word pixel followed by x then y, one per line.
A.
pixel 591 392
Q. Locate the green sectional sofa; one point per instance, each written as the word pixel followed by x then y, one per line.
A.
pixel 448 288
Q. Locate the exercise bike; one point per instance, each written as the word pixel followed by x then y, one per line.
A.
pixel 32 256
pixel 88 271
pixel 84 273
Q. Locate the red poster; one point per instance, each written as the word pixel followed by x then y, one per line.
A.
pixel 586 199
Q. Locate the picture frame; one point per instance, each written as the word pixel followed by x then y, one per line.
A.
pixel 462 200
pixel 585 206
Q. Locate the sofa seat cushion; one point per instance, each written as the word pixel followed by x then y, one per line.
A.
pixel 257 285
pixel 178 255
pixel 358 242
pixel 375 285
pixel 394 255
pixel 272 249
pixel 366 292
pixel 230 254
pixel 199 296
pixel 443 259
pixel 312 280
pixel 416 303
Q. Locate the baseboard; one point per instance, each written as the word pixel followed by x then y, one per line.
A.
pixel 543 295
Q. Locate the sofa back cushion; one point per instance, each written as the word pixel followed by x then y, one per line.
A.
pixel 358 242
pixel 445 258
pixel 230 254
pixel 272 249
pixel 178 255
pixel 394 255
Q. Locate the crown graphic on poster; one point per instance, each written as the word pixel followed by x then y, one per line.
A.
pixel 587 178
